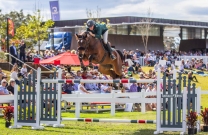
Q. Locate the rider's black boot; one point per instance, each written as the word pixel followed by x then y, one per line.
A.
pixel 112 56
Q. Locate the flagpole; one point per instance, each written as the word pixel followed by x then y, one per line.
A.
pixel 7 39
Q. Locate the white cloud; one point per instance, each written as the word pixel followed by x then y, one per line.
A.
pixel 75 9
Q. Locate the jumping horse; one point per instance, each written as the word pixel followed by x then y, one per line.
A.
pixel 92 49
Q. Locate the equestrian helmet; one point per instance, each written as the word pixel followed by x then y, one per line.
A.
pixel 90 23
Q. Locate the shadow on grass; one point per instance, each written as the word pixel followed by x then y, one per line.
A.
pixel 144 132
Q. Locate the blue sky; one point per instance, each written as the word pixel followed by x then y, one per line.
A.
pixel 196 10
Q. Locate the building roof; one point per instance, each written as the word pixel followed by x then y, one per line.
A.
pixel 128 20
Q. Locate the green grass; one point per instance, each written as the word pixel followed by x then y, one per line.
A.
pixel 81 128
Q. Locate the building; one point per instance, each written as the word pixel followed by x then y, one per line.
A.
pixel 165 33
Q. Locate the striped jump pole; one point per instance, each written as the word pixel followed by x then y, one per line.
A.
pixel 98 81
pixel 110 120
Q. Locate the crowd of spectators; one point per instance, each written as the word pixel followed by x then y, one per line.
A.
pixel 130 67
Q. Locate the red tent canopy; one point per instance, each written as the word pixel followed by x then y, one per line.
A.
pixel 66 58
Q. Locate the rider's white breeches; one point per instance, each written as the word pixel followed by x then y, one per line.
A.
pixel 105 37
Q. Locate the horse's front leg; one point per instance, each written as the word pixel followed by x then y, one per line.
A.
pixel 90 60
pixel 81 61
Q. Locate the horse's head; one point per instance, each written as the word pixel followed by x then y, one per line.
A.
pixel 82 41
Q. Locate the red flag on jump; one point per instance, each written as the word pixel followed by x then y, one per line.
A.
pixel 11 27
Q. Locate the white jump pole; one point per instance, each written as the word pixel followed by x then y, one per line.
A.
pixel 113 108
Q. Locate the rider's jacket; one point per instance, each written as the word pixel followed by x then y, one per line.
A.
pixel 99 29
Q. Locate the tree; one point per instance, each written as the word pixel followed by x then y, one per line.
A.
pixel 144 28
pixel 95 15
pixel 17 17
pixel 35 30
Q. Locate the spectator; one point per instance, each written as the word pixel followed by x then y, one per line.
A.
pixel 149 75
pixel 1 74
pixel 181 68
pixel 82 89
pixel 63 75
pixel 23 71
pixel 138 53
pixel 37 55
pixel 63 49
pixel 84 75
pixel 68 87
pixel 141 75
pixel 135 58
pixel 127 59
pixel 151 60
pixel 3 89
pixel 191 77
pixel 10 87
pixel 13 52
pixel 136 68
pixel 131 70
pixel 148 105
pixel 187 64
pixel 133 87
pixel 156 66
pixel 14 73
pixel 105 88
pixel 31 76
pixel 90 86
pixel 139 87
pixel 22 47
pixel 78 75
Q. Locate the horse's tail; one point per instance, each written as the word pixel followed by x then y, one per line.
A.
pixel 121 55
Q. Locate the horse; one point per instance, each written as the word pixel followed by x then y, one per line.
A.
pixel 92 49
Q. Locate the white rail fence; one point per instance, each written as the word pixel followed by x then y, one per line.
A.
pixel 113 98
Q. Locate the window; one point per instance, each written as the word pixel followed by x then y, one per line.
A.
pixel 112 29
pixel 134 30
pixel 154 30
pixel 171 37
pixel 122 29
pixel 192 33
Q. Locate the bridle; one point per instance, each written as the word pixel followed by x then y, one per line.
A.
pixel 87 44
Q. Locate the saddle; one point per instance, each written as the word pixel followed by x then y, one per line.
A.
pixel 105 47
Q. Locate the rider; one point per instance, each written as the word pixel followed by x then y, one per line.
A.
pixel 96 30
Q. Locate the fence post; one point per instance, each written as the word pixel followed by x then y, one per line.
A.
pixel 15 108
pixel 38 88
pixel 198 101
pixel 174 78
pixel 143 104
pixel 77 107
pixel 184 109
pixel 113 108
pixel 59 97
pixel 158 119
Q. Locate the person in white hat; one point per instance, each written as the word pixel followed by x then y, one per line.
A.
pixel 63 49
pixel 3 89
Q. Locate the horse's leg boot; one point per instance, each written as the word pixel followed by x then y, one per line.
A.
pixel 112 56
pixel 81 62
pixel 90 61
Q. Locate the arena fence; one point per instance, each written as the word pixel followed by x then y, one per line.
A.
pixel 40 102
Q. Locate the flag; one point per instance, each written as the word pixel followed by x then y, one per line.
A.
pixel 10 27
pixel 54 7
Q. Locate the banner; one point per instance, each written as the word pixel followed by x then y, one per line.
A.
pixel 54 7
pixel 11 27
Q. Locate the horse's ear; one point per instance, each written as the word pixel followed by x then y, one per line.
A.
pixel 76 36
